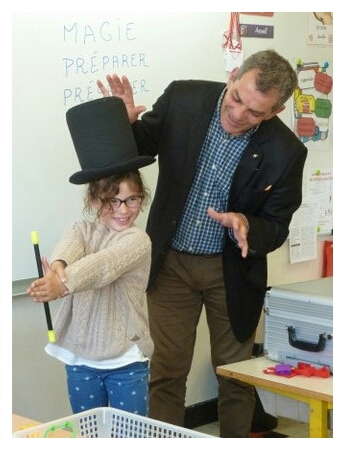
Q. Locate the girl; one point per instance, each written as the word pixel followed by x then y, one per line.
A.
pixel 101 268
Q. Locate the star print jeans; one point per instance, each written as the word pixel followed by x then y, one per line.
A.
pixel 124 388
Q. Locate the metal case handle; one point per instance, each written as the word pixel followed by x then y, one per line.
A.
pixel 305 345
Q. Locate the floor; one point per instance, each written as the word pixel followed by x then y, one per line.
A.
pixel 289 427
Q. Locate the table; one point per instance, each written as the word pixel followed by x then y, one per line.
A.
pixel 21 422
pixel 317 392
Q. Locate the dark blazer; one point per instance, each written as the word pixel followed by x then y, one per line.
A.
pixel 267 188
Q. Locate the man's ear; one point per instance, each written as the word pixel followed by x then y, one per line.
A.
pixel 277 111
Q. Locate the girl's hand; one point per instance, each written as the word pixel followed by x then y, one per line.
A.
pixel 49 287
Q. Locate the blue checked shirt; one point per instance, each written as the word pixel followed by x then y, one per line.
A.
pixel 197 233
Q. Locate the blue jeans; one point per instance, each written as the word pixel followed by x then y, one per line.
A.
pixel 125 388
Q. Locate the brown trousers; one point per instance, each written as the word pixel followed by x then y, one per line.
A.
pixel 185 284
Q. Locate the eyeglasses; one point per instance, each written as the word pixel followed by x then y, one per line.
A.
pixel 134 201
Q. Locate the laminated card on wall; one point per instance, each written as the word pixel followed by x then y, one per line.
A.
pixel 299 323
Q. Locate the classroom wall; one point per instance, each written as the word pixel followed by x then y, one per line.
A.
pixel 43 159
pixel 63 54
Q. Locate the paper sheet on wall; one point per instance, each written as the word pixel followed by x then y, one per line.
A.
pixel 320 188
pixel 320 28
pixel 302 242
pixel 314 216
pixel 233 59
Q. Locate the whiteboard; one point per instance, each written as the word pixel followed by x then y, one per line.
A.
pixel 57 58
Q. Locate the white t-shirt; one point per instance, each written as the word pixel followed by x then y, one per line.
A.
pixel 132 355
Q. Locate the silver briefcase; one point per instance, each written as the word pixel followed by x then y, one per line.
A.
pixel 298 323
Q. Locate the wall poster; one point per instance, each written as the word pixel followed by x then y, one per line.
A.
pixel 313 102
pixel 320 28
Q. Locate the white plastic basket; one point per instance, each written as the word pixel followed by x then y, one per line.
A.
pixel 107 423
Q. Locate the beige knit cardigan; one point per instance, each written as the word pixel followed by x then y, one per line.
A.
pixel 107 274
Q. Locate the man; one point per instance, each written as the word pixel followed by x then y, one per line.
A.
pixel 230 179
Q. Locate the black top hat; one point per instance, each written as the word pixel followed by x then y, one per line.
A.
pixel 103 140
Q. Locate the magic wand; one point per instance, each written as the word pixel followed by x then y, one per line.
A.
pixel 34 240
